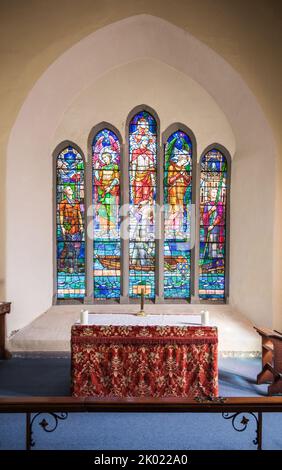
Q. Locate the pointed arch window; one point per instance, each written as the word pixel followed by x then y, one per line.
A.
pixel 177 200
pixel 106 204
pixel 142 201
pixel 155 251
pixel 213 201
pixel 70 230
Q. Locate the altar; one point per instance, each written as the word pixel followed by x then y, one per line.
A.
pixel 151 356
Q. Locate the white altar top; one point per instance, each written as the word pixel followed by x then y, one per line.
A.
pixel 134 320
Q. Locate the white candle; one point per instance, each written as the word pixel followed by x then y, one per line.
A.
pixel 202 317
pixel 206 318
pixel 84 317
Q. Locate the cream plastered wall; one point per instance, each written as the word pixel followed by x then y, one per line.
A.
pixel 173 95
pixel 44 117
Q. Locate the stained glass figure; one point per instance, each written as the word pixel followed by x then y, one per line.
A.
pixel 212 226
pixel 106 202
pixel 178 200
pixel 70 225
pixel 142 197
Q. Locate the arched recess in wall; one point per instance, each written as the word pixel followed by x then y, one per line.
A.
pixel 69 222
pixel 133 38
pixel 214 205
pixel 179 190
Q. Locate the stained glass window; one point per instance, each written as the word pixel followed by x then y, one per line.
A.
pixel 177 239
pixel 70 225
pixel 106 201
pixel 178 200
pixel 142 198
pixel 212 226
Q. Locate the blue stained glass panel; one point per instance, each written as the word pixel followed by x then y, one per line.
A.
pixel 106 223
pixel 142 197
pixel 178 200
pixel 212 226
pixel 70 225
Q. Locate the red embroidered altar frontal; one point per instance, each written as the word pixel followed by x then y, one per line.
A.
pixel 144 361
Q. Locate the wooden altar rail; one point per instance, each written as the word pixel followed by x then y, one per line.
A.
pixel 118 405
pixel 231 408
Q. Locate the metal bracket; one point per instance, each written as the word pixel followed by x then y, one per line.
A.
pixel 46 426
pixel 240 423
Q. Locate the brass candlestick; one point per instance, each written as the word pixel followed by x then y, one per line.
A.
pixel 142 290
pixel 142 299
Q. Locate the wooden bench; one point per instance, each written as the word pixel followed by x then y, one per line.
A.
pixel 271 360
pixel 4 308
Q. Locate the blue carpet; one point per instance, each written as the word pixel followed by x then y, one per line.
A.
pixel 105 431
pixel 51 376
